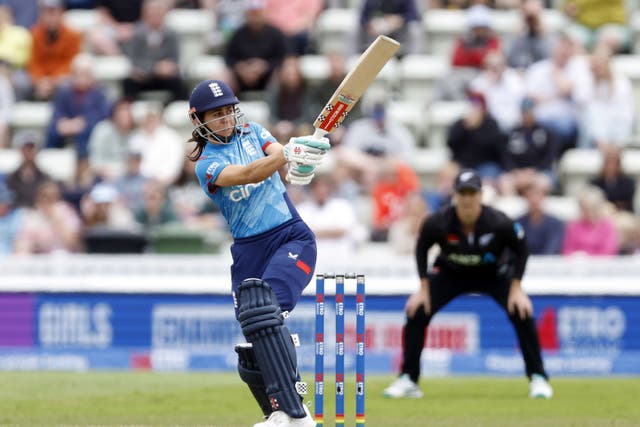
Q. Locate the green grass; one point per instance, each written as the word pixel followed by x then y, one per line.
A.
pixel 212 399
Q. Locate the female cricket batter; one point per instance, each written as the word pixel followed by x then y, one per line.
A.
pixel 274 252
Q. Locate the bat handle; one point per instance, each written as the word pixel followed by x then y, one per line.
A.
pixel 319 133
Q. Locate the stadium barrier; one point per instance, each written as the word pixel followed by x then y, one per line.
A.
pixel 170 312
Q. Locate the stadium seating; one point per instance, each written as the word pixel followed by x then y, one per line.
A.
pixel 411 114
pixel 336 29
pixel 439 117
pixel 30 115
pixel 109 71
pixel 60 164
pixel 419 74
pixel 576 167
pixel 193 27
pixel 427 162
pixel 314 67
pixel 204 67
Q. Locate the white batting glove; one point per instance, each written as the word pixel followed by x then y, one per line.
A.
pixel 306 150
pixel 299 174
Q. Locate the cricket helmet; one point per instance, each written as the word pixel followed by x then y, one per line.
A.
pixel 210 95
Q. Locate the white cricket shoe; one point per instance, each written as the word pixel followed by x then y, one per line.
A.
pixel 403 387
pixel 282 419
pixel 539 387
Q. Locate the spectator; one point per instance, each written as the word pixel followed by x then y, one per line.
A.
pixel 396 184
pixel 618 187
pixel 296 19
pixel 154 55
pixel 559 87
pixel 156 209
pixel 404 231
pixel 27 177
pixel 595 22
pixel 7 99
pixel 609 112
pixel 502 87
pixel 130 184
pixel 471 48
pixel 594 233
pixel 77 107
pixel 476 141
pixel 159 145
pixel 532 44
pixel 628 229
pixel 544 232
pixel 51 226
pixel 10 221
pixel 115 27
pixel 79 185
pixel 529 155
pixel 398 19
pixel 333 220
pixel 440 196
pixel 110 140
pixel 15 51
pixel 102 210
pixel 254 51
pixel 54 47
pixel 288 96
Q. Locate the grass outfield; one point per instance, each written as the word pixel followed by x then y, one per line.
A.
pixel 140 398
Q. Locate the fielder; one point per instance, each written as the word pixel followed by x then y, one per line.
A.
pixel 274 252
pixel 473 241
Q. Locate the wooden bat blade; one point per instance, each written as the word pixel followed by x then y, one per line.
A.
pixel 355 84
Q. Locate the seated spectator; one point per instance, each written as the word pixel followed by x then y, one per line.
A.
pixel 531 44
pixel 25 180
pixel 130 184
pixel 471 48
pixel 371 140
pixel 156 208
pixel 159 144
pixel 288 96
pixel 333 220
pixel 628 229
pixel 502 87
pixel 595 22
pixel 54 47
pixel 398 19
pixel 110 141
pixel 544 232
pixel 51 226
pixel 396 183
pixel 608 114
pixel 15 51
pixel 7 99
pixel 296 19
pixel 102 209
pixel 115 27
pixel 10 221
pixel 154 54
pixel 619 188
pixel 76 188
pixel 559 87
pixel 440 196
pixel 254 51
pixel 476 141
pixel 528 155
pixel 594 233
pixel 77 107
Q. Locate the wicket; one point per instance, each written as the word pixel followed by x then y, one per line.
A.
pixel 339 348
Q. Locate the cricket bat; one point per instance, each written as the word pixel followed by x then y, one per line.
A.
pixel 354 84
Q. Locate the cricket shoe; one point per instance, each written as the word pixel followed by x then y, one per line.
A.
pixel 539 387
pixel 282 419
pixel 403 387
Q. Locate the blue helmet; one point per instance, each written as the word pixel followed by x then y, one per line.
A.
pixel 210 95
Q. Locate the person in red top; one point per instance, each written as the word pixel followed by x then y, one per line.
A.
pixel 54 46
pixel 470 48
pixel 396 183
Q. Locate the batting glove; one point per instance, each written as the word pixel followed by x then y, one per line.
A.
pixel 299 174
pixel 306 150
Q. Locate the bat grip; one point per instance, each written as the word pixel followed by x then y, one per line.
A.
pixel 319 133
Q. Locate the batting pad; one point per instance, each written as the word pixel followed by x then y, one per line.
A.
pixel 263 325
pixel 250 373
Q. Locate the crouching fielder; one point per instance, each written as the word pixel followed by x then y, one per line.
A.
pixel 274 252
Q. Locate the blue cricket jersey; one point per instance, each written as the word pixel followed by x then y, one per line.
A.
pixel 249 209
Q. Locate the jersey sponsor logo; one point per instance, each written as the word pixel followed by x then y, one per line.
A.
pixel 518 230
pixel 485 239
pixel 216 89
pixel 453 239
pixel 465 259
pixel 242 192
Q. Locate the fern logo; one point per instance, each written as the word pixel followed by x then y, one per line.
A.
pixel 215 89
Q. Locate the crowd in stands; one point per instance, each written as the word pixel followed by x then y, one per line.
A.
pixel 531 97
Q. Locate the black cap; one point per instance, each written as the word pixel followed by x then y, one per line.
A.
pixel 468 179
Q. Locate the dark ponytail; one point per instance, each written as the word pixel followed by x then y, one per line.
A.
pixel 201 142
